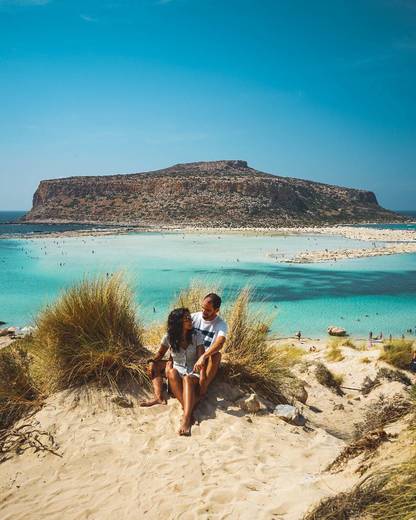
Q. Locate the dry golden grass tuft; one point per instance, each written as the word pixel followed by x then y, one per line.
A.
pixel 152 335
pixel 249 359
pixel 290 355
pixel 19 393
pixel 90 334
pixel 398 353
pixel 333 351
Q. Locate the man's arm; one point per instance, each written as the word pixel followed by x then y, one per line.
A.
pixel 213 349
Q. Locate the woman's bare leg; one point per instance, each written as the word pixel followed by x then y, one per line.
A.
pixel 190 385
pixel 156 370
pixel 175 384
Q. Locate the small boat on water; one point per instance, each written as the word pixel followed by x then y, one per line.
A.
pixel 336 331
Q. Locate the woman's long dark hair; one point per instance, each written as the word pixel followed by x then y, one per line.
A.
pixel 175 328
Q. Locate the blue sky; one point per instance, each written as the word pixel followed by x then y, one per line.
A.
pixel 322 90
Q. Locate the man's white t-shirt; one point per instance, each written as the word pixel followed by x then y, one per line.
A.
pixel 210 330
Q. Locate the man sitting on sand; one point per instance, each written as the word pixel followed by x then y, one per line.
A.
pixel 214 331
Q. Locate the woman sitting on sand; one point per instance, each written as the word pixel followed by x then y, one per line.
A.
pixel 185 347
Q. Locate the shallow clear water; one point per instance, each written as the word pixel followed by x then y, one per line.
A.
pixel 308 297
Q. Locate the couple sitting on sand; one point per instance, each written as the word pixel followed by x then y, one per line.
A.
pixel 194 342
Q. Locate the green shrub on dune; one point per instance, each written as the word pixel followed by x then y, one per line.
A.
pixel 398 353
pixel 19 393
pixel 90 334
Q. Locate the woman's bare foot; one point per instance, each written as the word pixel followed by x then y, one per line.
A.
pixel 185 427
pixel 152 402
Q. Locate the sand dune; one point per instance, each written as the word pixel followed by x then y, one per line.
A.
pixel 124 463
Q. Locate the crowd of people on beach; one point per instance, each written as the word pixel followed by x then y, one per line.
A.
pixel 192 345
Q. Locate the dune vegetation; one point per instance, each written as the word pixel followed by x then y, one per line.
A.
pixel 398 352
pixel 333 351
pixel 90 334
pixel 19 392
pixel 386 494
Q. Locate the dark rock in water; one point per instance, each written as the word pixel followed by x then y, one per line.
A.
pixel 218 193
pixel 3 322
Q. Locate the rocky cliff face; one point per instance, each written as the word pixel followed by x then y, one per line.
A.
pixel 219 193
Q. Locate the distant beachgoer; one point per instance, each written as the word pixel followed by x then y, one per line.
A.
pixel 154 309
pixel 390 337
pixel 298 334
pixel 185 346
pixel 370 339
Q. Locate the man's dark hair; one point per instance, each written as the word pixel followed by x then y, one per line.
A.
pixel 214 299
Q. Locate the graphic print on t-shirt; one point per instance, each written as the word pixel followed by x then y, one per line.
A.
pixel 208 337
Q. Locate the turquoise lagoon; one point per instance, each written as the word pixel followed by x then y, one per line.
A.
pixel 377 294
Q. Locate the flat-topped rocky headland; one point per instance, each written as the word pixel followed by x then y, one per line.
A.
pixel 216 194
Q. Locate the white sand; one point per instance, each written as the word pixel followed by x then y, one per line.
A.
pixel 130 464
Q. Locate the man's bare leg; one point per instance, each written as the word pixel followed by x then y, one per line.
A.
pixel 175 384
pixel 190 386
pixel 157 370
pixel 211 371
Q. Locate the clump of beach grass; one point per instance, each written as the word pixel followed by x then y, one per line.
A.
pixel 383 495
pixel 333 351
pixel 19 393
pixel 349 343
pixel 290 355
pixel 381 412
pixel 90 334
pixel 326 378
pixel 249 359
pixel 384 374
pixel 152 335
pixel 398 353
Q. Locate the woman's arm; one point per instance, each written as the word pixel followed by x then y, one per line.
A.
pixel 160 353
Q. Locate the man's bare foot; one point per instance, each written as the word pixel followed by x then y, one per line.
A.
pixel 152 402
pixel 185 428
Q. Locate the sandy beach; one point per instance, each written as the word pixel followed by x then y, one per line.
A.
pixel 384 241
pixel 111 462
